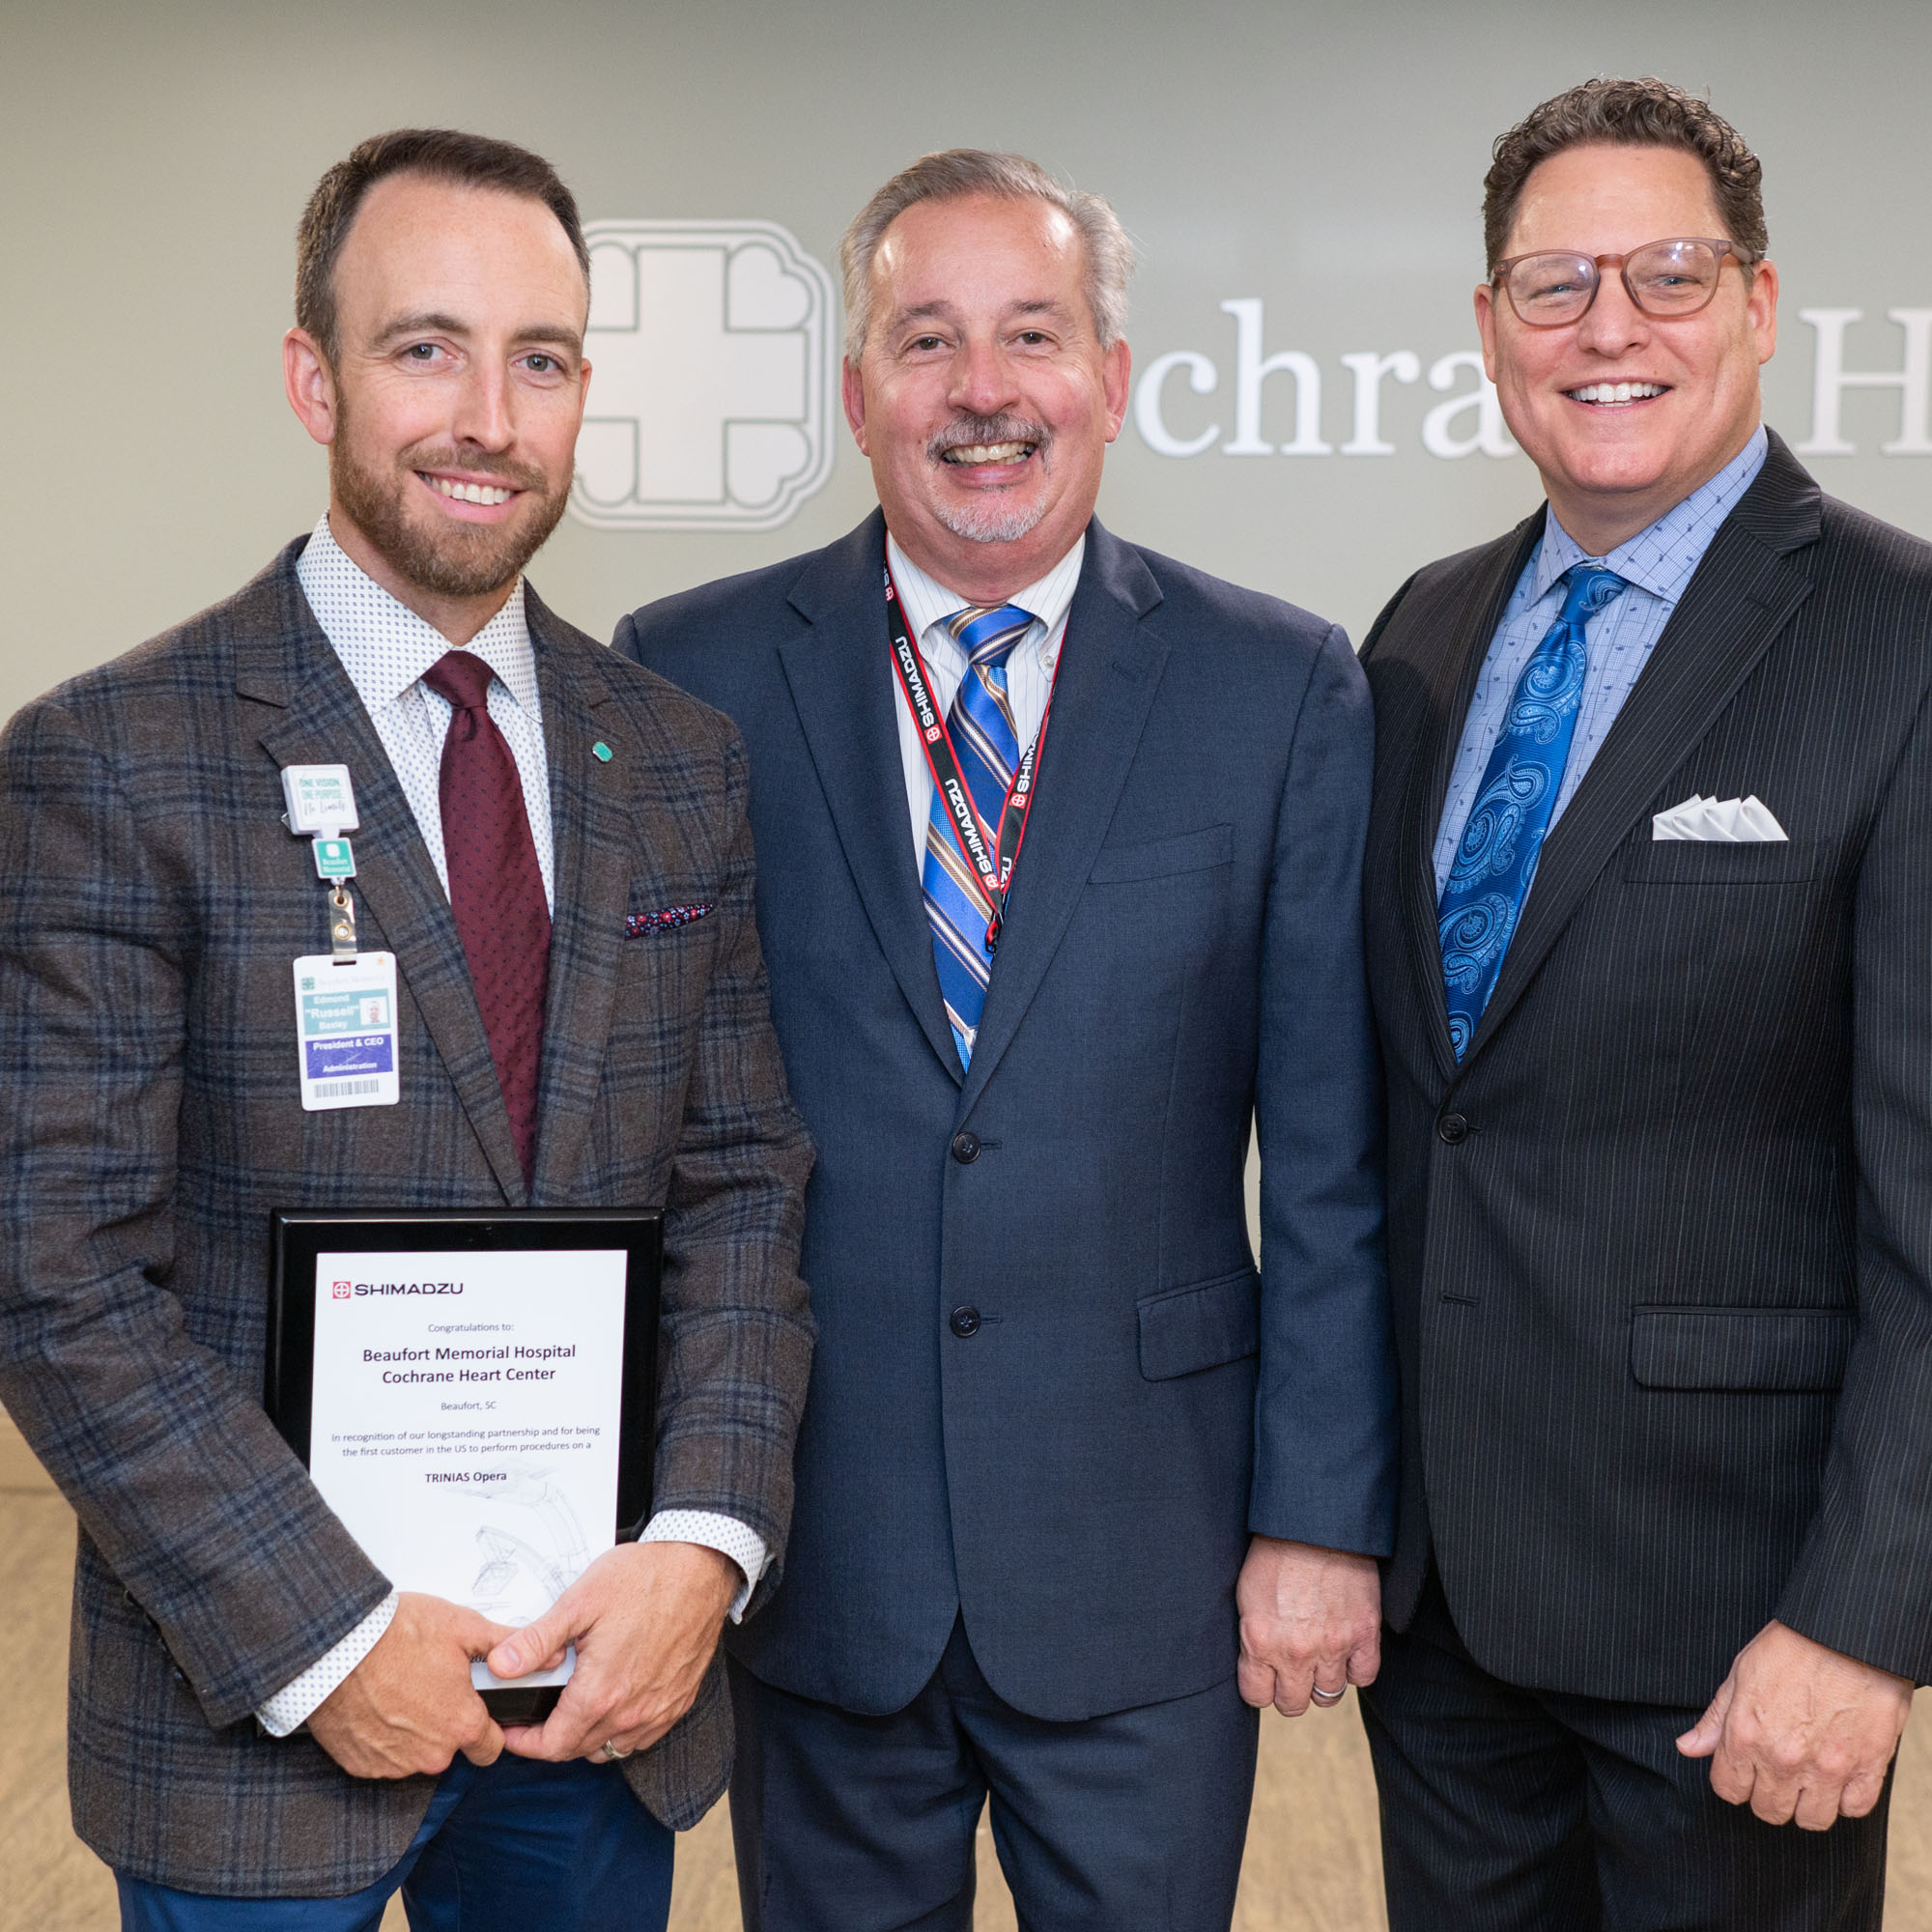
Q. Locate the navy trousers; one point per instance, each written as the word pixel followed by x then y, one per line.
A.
pixel 510 1848
pixel 1513 1811
pixel 1131 1822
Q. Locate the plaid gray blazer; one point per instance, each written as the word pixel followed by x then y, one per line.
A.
pixel 150 904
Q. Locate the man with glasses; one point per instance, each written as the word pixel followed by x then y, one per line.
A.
pixel 1649 916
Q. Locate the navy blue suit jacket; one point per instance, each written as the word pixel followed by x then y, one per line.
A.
pixel 1081 1473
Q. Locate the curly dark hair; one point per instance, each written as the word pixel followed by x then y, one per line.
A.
pixel 442 154
pixel 1628 114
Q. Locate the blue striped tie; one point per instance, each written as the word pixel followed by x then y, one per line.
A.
pixel 987 743
pixel 1496 858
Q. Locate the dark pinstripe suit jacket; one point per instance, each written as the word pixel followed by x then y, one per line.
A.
pixel 150 904
pixel 1662 1247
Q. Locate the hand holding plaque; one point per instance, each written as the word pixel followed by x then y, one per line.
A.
pixel 643 1621
pixel 473 1396
pixel 412 1704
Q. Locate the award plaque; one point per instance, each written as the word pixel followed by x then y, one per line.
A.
pixel 475 1396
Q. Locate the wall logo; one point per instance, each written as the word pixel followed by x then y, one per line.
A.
pixel 340 1290
pixel 714 352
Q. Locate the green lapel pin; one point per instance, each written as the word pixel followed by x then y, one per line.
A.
pixel 601 752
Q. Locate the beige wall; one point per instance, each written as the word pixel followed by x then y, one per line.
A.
pixel 1323 161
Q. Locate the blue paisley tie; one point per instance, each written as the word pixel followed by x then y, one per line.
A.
pixel 980 723
pixel 1495 859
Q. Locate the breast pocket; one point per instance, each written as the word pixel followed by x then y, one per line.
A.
pixel 669 939
pixel 1164 858
pixel 658 908
pixel 1701 861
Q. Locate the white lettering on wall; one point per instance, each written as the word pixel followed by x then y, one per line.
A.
pixel 1491 437
pixel 1443 433
pixel 1369 369
pixel 1250 369
pixel 1469 421
pixel 1831 378
pixel 1202 379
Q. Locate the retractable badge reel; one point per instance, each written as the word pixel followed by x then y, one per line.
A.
pixel 344 998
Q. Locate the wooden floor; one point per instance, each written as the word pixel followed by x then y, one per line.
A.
pixel 1312 1845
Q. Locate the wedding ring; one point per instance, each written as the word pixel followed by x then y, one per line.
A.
pixel 609 1750
pixel 1327 1698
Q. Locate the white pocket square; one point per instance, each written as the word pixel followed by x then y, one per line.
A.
pixel 1729 821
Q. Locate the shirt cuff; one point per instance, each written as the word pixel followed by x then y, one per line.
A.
pixel 743 1545
pixel 292 1706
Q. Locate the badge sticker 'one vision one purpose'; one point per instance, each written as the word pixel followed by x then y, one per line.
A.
pixel 465 1405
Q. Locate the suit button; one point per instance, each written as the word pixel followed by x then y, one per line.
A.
pixel 1453 1127
pixel 965 1322
pixel 966 1150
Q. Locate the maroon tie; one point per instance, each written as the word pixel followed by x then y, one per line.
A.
pixel 495 889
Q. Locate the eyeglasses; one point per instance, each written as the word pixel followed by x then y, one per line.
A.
pixel 1667 279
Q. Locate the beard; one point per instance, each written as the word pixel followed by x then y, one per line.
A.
pixel 444 559
pixel 989 518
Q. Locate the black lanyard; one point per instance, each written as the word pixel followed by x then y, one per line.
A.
pixel 991 853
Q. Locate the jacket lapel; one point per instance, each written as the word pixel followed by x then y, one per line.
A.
pixel 323 721
pixel 1745 591
pixel 1109 671
pixel 595 859
pixel 841 685
pixel 1434 757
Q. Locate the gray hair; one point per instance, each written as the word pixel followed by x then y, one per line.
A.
pixel 960 172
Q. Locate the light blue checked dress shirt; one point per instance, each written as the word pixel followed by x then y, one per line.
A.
pixel 1656 563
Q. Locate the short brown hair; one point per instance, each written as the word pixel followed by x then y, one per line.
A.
pixel 442 154
pixel 1628 114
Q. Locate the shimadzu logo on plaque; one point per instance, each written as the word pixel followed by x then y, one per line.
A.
pixel 713 354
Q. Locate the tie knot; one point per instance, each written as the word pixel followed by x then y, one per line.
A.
pixel 1590 587
pixel 988 632
pixel 462 677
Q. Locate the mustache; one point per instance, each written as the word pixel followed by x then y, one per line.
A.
pixel 477 463
pixel 965 430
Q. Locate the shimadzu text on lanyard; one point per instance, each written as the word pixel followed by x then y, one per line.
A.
pixel 991 852
pixel 345 999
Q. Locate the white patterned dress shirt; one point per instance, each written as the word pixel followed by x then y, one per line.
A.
pixel 386 648
pixel 1029 669
pixel 1658 564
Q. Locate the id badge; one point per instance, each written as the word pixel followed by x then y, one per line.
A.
pixel 346 1031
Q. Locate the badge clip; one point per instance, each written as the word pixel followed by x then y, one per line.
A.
pixel 322 805
pixel 341 921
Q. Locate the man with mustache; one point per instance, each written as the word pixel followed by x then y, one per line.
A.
pixel 265 1736
pixel 1059 848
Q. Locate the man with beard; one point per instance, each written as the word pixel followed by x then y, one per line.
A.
pixel 263 1733
pixel 1060 848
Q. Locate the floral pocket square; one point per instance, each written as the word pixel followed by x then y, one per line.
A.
pixel 664 918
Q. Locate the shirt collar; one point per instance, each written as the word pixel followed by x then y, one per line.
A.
pixel 385 646
pixel 1662 557
pixel 928 601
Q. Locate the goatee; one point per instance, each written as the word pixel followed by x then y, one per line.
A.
pixel 455 559
pixel 989 518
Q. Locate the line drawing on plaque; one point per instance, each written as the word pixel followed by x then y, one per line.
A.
pixel 533 1557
